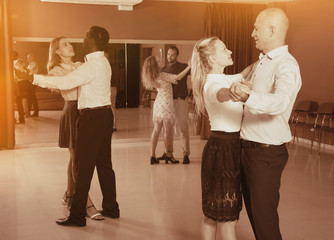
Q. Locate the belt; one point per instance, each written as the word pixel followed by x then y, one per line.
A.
pixel 249 144
pixel 94 108
pixel 180 98
pixel 225 135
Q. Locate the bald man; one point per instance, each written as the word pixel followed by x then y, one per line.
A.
pixel 275 80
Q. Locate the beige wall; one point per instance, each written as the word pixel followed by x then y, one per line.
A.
pixel 311 41
pixel 149 20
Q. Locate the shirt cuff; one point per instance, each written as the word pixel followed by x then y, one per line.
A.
pixel 251 100
pixel 38 80
pixel 239 77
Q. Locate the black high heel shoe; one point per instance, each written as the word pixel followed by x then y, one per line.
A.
pixel 171 159
pixel 154 160
pixel 163 157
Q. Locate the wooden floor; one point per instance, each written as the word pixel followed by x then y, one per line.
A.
pixel 160 202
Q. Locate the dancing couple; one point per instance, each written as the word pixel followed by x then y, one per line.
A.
pixel 257 111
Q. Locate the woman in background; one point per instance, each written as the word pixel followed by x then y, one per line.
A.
pixel 60 63
pixel 163 109
pixel 220 172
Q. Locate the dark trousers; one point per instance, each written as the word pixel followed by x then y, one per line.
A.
pixel 19 107
pixel 21 91
pixel 262 169
pixel 93 148
pixel 32 100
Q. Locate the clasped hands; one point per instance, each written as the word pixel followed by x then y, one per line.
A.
pixel 240 91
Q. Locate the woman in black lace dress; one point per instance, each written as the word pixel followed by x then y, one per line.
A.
pixel 220 172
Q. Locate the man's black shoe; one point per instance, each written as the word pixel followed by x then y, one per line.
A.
pixel 111 214
pixel 186 160
pixel 70 222
pixel 163 157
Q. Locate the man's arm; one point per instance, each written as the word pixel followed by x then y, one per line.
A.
pixel 83 75
pixel 287 85
pixel 246 71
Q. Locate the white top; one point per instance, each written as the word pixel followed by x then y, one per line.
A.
pixel 18 66
pixel 223 116
pixel 276 82
pixel 63 70
pixel 92 78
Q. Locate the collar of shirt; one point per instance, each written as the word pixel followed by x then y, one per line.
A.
pixel 275 53
pixel 174 65
pixel 214 76
pixel 67 66
pixel 94 55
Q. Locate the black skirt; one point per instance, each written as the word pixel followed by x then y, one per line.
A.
pixel 220 176
pixel 67 127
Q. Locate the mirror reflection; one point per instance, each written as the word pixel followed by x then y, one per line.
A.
pixel 126 61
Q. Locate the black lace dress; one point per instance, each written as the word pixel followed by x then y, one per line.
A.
pixel 221 183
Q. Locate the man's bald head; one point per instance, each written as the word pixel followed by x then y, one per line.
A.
pixel 270 29
pixel 275 17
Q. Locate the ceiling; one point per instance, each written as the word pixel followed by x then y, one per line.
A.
pixel 228 1
pixel 127 5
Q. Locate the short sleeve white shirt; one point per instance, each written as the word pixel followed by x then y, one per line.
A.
pixel 223 116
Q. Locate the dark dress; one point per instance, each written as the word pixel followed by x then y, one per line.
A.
pixel 221 188
pixel 70 114
pixel 67 126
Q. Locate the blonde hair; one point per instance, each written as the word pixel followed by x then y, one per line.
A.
pixel 150 73
pixel 200 67
pixel 54 58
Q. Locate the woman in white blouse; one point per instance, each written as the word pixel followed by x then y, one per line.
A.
pixel 60 64
pixel 220 172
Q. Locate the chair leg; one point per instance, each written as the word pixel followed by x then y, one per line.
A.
pixel 294 133
pixel 320 137
pixel 332 170
pixel 313 133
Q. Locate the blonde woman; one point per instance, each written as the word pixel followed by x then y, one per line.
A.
pixel 163 109
pixel 60 63
pixel 220 172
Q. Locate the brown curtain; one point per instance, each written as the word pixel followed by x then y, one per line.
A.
pixel 7 120
pixel 233 24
